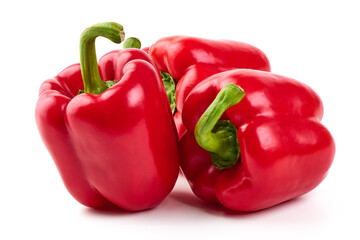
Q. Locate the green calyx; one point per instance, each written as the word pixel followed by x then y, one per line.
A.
pixel 169 85
pixel 107 83
pixel 219 138
pixel 228 156
pixel 88 61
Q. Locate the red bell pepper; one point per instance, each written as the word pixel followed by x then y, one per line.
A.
pixel 267 148
pixel 116 142
pixel 190 60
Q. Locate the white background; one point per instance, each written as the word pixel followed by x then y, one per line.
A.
pixel 316 42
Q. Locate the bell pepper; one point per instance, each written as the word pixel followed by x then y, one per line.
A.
pixel 189 60
pixel 108 126
pixel 253 140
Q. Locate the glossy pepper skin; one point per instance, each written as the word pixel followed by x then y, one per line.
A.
pixel 285 151
pixel 119 146
pixel 190 60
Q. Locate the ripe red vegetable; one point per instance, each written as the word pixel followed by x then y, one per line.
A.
pixel 116 142
pixel 189 60
pixel 268 147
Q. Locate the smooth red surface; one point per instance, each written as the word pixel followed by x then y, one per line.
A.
pixel 117 147
pixel 190 60
pixel 285 150
pixel 179 125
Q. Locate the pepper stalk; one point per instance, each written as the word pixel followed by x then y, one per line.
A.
pixel 219 138
pixel 88 61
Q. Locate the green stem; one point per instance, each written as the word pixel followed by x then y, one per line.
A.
pixel 132 42
pixel 220 137
pixel 88 61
